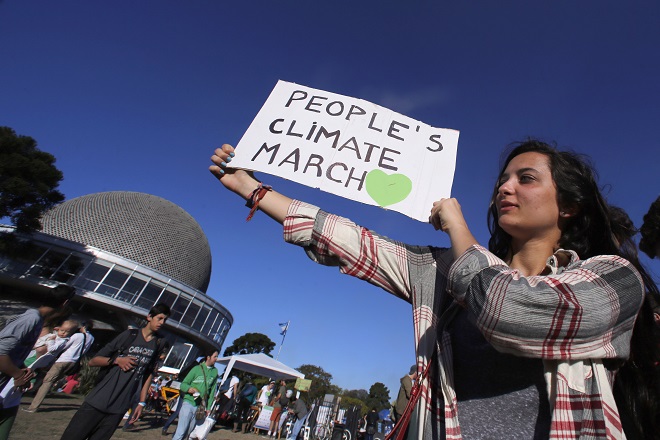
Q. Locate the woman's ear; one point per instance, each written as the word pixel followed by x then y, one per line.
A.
pixel 568 211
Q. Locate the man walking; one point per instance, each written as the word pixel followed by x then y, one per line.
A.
pixel 130 360
pixel 16 341
pixel 404 392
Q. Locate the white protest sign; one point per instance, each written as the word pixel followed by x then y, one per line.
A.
pixel 350 147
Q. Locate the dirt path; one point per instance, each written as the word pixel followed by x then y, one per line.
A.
pixel 56 411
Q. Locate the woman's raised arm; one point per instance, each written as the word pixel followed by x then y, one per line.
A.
pixel 244 184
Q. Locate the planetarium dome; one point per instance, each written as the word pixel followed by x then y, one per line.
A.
pixel 140 227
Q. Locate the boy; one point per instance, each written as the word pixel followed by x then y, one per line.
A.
pixel 130 359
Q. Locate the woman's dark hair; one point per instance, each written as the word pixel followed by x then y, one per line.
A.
pixel 596 228
pixel 588 231
pixel 651 230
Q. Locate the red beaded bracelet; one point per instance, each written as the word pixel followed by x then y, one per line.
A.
pixel 255 197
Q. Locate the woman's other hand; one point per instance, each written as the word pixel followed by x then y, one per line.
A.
pixel 446 215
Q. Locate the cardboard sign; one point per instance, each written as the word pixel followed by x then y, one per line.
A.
pixel 350 147
pixel 302 384
pixel 263 422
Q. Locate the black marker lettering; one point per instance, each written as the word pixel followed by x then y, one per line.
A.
pixel 290 132
pixel 324 132
pixel 393 129
pixel 292 98
pixel 371 123
pixel 384 158
pixel 341 108
pixel 311 131
pixel 265 148
pixel 271 127
pixel 295 154
pixel 314 161
pixel 328 173
pixel 311 103
pixel 371 148
pixel 361 179
pixel 435 139
pixel 351 112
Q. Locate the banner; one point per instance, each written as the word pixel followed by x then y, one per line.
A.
pixel 350 147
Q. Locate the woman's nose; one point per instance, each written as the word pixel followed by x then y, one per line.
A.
pixel 505 187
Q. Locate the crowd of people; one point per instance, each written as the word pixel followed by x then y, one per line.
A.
pixel 551 331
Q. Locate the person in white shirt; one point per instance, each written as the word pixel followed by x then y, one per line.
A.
pixel 77 346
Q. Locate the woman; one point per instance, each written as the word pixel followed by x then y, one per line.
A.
pixel 525 338
pixel 197 387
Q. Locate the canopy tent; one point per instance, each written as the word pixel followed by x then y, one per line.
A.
pixel 258 363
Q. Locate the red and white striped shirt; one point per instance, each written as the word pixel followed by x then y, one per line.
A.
pixel 573 318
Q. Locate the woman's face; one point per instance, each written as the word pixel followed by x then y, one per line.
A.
pixel 526 201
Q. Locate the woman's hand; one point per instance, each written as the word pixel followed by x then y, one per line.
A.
pixel 239 181
pixel 447 216
pixel 244 183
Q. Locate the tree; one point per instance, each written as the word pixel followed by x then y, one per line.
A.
pixel 28 181
pixel 379 396
pixel 357 394
pixel 321 381
pixel 250 343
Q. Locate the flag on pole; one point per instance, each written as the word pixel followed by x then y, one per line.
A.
pixel 284 326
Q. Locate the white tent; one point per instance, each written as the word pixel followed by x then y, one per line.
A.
pixel 258 363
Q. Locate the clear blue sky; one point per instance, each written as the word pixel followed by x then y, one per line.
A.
pixel 134 96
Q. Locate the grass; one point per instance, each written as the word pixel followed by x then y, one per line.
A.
pixel 58 408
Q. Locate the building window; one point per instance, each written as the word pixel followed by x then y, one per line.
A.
pixel 150 295
pixel 20 258
pixel 92 276
pixel 70 268
pixel 47 264
pixel 132 289
pixel 177 356
pixel 191 314
pixel 113 282
pixel 201 319
pixel 179 307
pixel 213 316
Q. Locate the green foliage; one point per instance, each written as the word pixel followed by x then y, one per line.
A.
pixel 321 381
pixel 86 376
pixel 250 343
pixel 347 402
pixel 379 396
pixel 357 394
pixel 28 181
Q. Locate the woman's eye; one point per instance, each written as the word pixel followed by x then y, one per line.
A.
pixel 526 178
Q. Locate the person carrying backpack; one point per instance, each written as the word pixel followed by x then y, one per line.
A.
pixel 245 400
pixel 130 361
pixel 197 387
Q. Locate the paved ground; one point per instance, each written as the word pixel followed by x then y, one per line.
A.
pixel 56 411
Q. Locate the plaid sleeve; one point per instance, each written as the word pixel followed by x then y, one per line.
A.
pixel 335 241
pixel 586 311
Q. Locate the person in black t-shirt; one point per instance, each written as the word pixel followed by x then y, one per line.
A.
pixel 133 358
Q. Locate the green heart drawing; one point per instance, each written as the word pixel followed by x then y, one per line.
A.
pixel 387 189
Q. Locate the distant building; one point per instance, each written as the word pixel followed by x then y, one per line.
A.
pixel 124 252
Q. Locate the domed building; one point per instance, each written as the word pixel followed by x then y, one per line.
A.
pixel 124 252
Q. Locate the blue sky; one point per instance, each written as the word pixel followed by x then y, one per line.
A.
pixel 135 95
